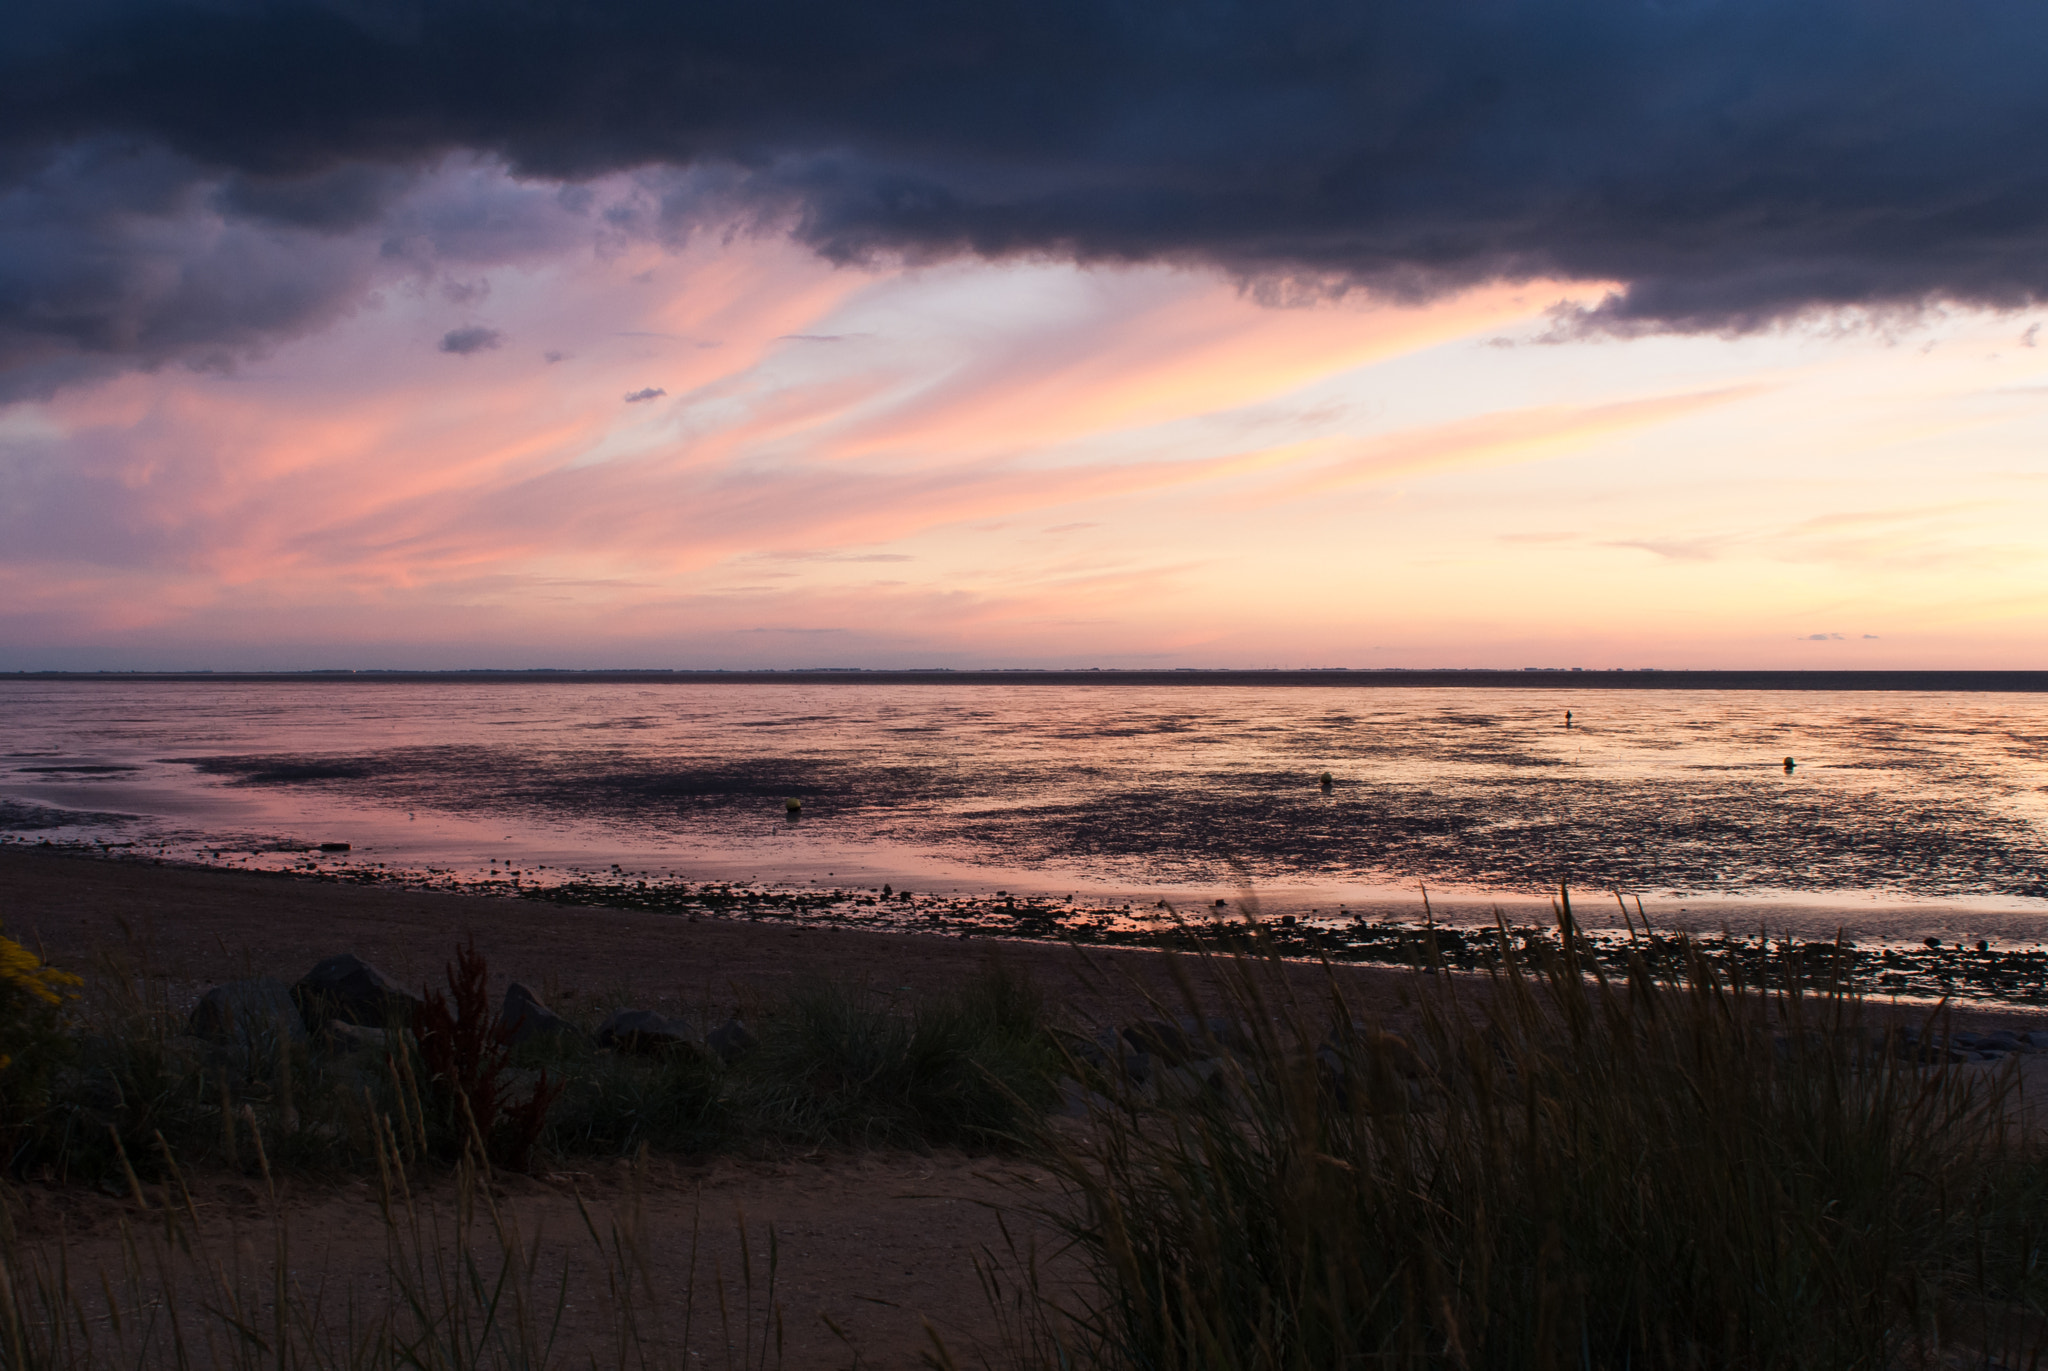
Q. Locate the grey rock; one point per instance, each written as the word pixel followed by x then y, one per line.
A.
pixel 1090 1053
pixel 1077 1101
pixel 1213 1032
pixel 525 1019
pixel 1187 1038
pixel 248 1014
pixel 642 1032
pixel 348 988
pixel 731 1040
pixel 2035 1039
pixel 1179 1084
pixel 1163 1040
pixel 341 1036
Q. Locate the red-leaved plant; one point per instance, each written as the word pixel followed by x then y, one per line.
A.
pixel 468 1065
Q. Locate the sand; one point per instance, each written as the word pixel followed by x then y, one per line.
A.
pixel 880 1244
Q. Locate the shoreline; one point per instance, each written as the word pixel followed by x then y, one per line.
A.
pixel 1537 678
pixel 199 926
pixel 877 930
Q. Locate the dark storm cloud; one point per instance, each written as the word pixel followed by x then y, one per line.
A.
pixel 475 338
pixel 1730 161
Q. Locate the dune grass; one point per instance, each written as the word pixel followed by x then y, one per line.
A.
pixel 1562 1169
pixel 836 1064
pixel 1556 1165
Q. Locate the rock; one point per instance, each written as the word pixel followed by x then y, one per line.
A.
pixel 1165 1041
pixel 248 1014
pixel 341 1036
pixel 525 1019
pixel 731 1040
pixel 1116 1057
pixel 1389 1051
pixel 1084 1051
pixel 1228 1034
pixel 1077 1101
pixel 2035 1039
pixel 2003 1040
pixel 1182 1084
pixel 642 1032
pixel 1379 1071
pixel 348 988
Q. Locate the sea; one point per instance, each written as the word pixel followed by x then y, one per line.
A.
pixel 1902 814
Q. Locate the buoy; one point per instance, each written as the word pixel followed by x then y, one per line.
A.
pixel 1328 780
pixel 793 806
pixel 1789 764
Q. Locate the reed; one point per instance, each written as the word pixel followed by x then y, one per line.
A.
pixel 1562 1168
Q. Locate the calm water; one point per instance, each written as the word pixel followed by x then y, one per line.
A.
pixel 1906 813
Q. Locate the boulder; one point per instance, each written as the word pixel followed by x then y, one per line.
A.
pixel 642 1032
pixel 343 1037
pixel 247 1014
pixel 1084 1051
pixel 1120 1060
pixel 1157 1038
pixel 731 1040
pixel 525 1019
pixel 348 988
pixel 1186 1039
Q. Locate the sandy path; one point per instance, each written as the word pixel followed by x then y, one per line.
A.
pixel 878 1244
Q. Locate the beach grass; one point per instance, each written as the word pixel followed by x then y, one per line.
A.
pixel 1551 1165
pixel 1561 1168
pixel 836 1064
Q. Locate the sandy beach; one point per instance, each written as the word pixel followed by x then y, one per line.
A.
pixel 877 1244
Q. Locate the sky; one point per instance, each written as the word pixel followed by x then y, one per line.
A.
pixel 1698 333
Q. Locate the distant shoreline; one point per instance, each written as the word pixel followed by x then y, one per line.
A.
pixel 1975 682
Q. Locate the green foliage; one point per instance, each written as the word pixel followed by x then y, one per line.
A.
pixel 35 1004
pixel 837 1065
pixel 844 1064
pixel 615 1104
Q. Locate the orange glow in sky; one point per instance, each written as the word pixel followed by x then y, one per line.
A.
pixel 1004 464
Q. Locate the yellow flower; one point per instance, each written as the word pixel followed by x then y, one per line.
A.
pixel 22 968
